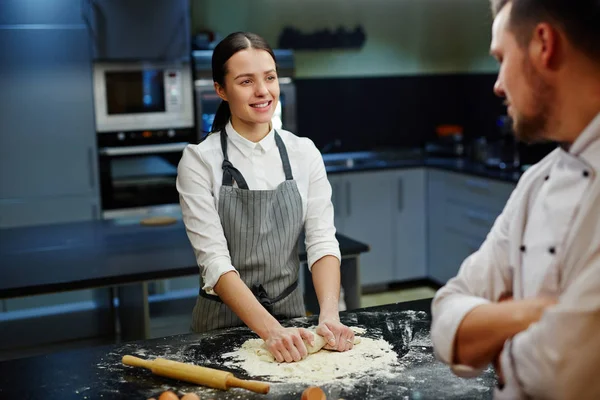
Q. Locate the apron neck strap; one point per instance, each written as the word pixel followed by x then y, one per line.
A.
pixel 230 173
pixel 285 160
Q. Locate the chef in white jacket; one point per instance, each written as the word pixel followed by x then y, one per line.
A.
pixel 528 301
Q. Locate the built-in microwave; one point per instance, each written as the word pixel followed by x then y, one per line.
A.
pixel 142 95
pixel 144 120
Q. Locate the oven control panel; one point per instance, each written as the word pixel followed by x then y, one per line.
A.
pixel 146 137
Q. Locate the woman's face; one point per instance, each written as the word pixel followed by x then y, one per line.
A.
pixel 251 87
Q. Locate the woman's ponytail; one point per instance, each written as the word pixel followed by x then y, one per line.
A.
pixel 221 117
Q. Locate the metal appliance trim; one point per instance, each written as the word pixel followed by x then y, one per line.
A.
pixel 144 149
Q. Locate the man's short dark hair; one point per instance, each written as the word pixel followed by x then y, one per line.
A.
pixel 578 19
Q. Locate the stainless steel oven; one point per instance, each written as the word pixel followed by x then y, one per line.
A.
pixel 144 119
pixel 207 101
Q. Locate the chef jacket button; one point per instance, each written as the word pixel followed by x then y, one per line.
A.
pixel 523 248
pixel 586 174
pixel 552 250
pixel 547 177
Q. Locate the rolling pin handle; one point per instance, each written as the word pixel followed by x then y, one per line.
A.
pixel 254 386
pixel 137 362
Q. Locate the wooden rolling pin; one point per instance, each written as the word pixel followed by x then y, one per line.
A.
pixel 210 377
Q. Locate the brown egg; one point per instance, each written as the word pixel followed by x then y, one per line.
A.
pixel 313 393
pixel 190 396
pixel 168 395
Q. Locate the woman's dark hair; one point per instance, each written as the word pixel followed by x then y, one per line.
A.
pixel 579 19
pixel 233 43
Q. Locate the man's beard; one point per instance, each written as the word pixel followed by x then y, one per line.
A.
pixel 534 128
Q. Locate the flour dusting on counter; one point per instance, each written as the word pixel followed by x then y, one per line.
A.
pixel 369 358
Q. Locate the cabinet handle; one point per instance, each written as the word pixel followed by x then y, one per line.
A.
pixel 91 167
pixel 400 194
pixel 477 184
pixel 348 200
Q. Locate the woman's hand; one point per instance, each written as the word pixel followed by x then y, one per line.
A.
pixel 287 345
pixel 338 336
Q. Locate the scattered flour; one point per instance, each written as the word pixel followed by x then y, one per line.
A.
pixel 367 358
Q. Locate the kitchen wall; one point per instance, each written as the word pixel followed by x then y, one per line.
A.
pixel 404 37
pixel 424 63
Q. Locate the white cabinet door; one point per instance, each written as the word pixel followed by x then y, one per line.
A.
pixel 461 211
pixel 409 236
pixel 366 201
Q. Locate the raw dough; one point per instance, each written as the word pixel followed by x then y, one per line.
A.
pixel 319 342
pixel 374 357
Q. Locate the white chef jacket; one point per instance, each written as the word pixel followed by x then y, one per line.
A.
pixel 199 179
pixel 545 242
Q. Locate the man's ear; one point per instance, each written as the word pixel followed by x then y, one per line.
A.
pixel 220 91
pixel 543 48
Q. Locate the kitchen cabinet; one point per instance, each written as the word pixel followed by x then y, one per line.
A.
pixel 461 211
pixel 410 227
pixel 139 29
pixel 47 138
pixel 384 209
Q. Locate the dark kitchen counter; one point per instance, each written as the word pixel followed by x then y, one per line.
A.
pixel 101 253
pixel 336 163
pixel 97 372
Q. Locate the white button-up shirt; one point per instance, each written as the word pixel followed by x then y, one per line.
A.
pixel 199 181
pixel 545 242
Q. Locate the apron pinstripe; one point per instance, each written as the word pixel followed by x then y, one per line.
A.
pixel 262 228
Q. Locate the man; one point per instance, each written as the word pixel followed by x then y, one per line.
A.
pixel 528 301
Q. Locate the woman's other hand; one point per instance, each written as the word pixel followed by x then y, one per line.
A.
pixel 287 345
pixel 338 336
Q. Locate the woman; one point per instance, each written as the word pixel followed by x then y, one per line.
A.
pixel 247 192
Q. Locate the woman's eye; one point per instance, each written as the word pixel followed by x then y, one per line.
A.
pixel 247 81
pixel 271 78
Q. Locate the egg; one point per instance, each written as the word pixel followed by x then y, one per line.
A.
pixel 168 395
pixel 190 396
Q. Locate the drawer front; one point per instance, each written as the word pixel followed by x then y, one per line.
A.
pixel 475 191
pixel 473 221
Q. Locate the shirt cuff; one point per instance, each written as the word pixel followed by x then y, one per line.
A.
pixel 447 319
pixel 214 271
pixel 318 252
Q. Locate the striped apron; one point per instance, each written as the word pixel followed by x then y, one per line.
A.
pixel 262 228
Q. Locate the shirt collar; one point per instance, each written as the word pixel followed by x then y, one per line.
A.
pixel 245 146
pixel 587 144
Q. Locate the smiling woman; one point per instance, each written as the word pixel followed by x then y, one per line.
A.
pixel 245 227
pixel 245 78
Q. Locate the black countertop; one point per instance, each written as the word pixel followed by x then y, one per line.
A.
pixel 369 161
pixel 97 372
pixel 101 253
